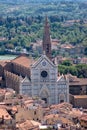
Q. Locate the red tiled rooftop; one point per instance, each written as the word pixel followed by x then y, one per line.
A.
pixel 3 63
pixel 84 117
pixel 4 113
pixel 23 60
pixel 53 118
pixel 75 113
pixel 28 125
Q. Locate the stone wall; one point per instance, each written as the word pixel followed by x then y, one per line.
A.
pixel 1 71
pixel 20 70
pixel 8 67
pixel 12 81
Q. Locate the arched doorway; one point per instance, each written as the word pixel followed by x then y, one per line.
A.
pixel 44 95
pixel 61 98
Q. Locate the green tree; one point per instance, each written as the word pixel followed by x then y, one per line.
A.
pixel 67 63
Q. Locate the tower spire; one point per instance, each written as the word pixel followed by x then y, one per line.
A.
pixel 46 39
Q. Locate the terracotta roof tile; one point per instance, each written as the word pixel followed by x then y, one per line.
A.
pixel 53 118
pixel 84 117
pixel 28 125
pixel 3 63
pixel 23 61
pixel 4 113
pixel 75 113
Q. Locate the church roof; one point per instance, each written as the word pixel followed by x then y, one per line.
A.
pixel 23 61
pixel 3 63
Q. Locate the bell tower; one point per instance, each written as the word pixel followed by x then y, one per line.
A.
pixel 46 39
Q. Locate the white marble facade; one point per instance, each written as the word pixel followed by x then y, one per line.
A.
pixel 45 83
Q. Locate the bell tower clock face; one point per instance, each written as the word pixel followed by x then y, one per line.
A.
pixel 44 74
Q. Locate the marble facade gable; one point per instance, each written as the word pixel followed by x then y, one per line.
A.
pixel 61 79
pixel 26 80
pixel 41 59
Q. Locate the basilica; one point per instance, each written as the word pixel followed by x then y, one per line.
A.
pixel 44 81
pixel 40 78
